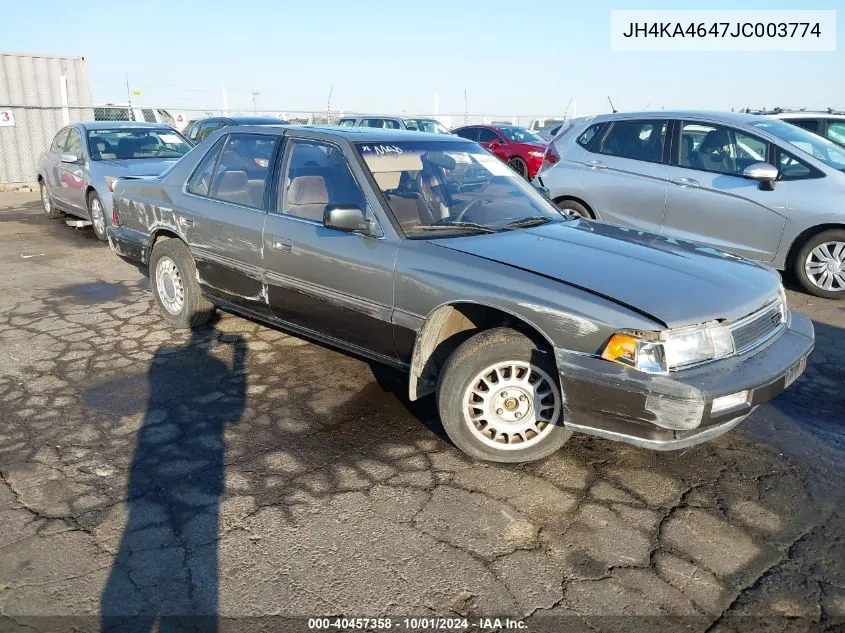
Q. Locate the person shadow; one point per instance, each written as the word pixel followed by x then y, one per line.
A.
pixel 166 568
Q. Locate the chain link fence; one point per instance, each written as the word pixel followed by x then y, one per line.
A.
pixel 27 131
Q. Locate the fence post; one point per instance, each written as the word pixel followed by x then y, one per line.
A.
pixel 63 93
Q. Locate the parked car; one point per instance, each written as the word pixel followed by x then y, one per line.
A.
pixel 125 112
pixel 417 124
pixel 198 129
pixel 519 147
pixel 78 171
pixel 750 185
pixel 527 326
pixel 827 123
pixel 550 131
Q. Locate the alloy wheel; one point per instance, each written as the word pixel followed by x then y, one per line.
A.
pixel 511 405
pixel 45 199
pixel 98 218
pixel 518 166
pixel 825 266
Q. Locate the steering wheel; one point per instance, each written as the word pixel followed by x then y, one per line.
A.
pixel 464 211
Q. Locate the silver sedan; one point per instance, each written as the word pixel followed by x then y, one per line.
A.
pixel 78 171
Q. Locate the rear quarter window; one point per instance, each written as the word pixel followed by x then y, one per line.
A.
pixel 589 135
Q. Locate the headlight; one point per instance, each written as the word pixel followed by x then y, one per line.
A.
pixel 110 182
pixel 659 352
pixel 782 295
pixel 536 154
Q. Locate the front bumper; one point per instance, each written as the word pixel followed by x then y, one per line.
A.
pixel 675 411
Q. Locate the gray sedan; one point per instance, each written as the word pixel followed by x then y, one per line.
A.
pixel 754 186
pixel 77 173
pixel 427 253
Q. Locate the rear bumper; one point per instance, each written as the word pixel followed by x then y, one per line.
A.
pixel 676 411
pixel 129 244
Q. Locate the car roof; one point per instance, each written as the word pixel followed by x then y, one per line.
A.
pixel 254 120
pixel 806 115
pixel 727 117
pixel 354 134
pixel 377 116
pixel 117 125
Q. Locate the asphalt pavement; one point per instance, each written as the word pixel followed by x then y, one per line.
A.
pixel 249 476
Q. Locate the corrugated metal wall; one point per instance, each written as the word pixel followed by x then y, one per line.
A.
pixel 31 89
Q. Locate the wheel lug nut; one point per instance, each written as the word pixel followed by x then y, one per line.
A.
pixel 522 398
pixel 517 415
pixel 499 412
pixel 504 394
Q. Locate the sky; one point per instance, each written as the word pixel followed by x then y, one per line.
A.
pixel 392 56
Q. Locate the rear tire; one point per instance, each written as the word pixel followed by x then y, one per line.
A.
pixel 97 215
pixel 573 209
pixel 519 166
pixel 173 277
pixel 50 209
pixel 821 262
pixel 499 398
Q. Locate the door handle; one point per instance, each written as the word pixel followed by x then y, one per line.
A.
pixel 281 245
pixel 596 164
pixel 686 182
pixel 183 221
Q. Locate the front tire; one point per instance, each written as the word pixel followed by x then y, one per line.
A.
pixel 572 210
pixel 173 276
pixel 499 398
pixel 519 166
pixel 820 265
pixel 97 215
pixel 50 209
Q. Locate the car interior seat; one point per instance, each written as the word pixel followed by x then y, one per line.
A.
pixel 233 186
pixel 126 148
pixel 307 197
pixel 714 153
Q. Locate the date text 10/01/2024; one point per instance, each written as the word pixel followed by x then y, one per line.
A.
pixel 414 624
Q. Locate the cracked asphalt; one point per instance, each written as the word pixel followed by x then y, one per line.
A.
pixel 243 472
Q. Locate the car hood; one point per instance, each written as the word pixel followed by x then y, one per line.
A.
pixel 673 281
pixel 135 167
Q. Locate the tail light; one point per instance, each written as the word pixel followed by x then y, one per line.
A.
pixel 551 157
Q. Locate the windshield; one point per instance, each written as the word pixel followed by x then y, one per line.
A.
pixel 519 134
pixel 440 189
pixel 820 148
pixel 129 144
pixel 426 125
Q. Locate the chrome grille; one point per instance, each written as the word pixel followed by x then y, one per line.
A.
pixel 758 327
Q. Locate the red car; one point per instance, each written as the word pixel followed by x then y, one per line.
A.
pixel 519 147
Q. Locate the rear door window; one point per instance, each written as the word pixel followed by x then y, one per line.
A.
pixel 469 133
pixel 836 132
pixel 811 125
pixel 59 141
pixel 637 140
pixel 241 173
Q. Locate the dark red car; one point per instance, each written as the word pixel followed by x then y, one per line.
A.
pixel 519 147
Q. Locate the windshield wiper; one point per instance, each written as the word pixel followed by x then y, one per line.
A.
pixel 465 226
pixel 534 220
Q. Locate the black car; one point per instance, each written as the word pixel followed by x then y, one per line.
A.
pixel 526 325
pixel 199 129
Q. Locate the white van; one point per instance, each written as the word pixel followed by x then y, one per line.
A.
pixel 122 112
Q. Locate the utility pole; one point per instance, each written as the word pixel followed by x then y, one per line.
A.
pixel 329 106
pixel 225 101
pixel 466 109
pixel 255 95
pixel 129 96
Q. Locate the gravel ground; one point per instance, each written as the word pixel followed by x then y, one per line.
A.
pixel 243 472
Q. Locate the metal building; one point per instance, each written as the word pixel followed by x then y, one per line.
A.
pixel 38 95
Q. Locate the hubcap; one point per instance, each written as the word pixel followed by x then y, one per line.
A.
pixel 825 266
pixel 45 199
pixel 97 217
pixel 511 405
pixel 171 291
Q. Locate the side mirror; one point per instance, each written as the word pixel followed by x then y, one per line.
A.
pixel 764 172
pixel 494 144
pixel 346 218
pixel 68 157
